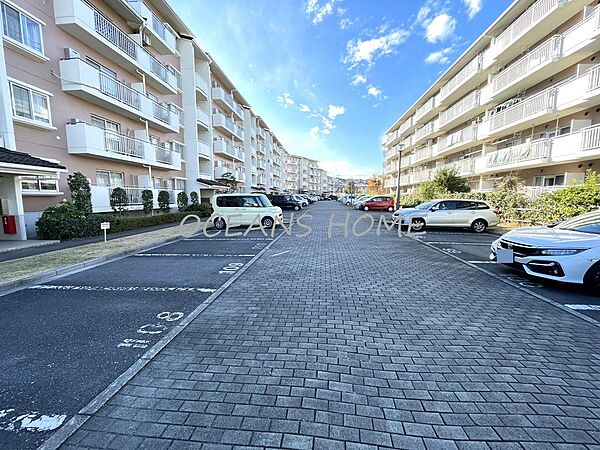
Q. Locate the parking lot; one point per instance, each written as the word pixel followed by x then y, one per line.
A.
pixel 62 342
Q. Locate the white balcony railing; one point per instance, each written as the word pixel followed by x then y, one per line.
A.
pixel 201 83
pixel 463 166
pixel 220 119
pixel 119 91
pixel 422 154
pixel 227 147
pixel 419 176
pixel 219 93
pixel 459 137
pixel 528 63
pixel 202 116
pixel 590 138
pixel 423 132
pixel 428 106
pixel 123 145
pixel 536 104
pixel 526 151
pixel 459 108
pixel 154 23
pixel 464 74
pixel 203 149
pixel 163 154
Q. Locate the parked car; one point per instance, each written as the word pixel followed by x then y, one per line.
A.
pixel 349 200
pixel 465 213
pixel 358 202
pixel 242 209
pixel 378 203
pixel 567 252
pixel 286 201
pixel 301 199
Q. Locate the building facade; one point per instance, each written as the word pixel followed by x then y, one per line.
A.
pixel 122 92
pixel 523 100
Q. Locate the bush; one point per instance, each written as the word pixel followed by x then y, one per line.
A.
pixel 194 198
pixel 81 192
pixel 164 201
pixel 200 209
pixel 147 201
pixel 66 221
pixel 118 200
pixel 182 201
pixel 119 224
pixel 447 180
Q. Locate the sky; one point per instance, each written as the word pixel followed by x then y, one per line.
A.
pixel 331 76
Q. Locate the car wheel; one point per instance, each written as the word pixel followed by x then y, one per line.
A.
pixel 296 208
pixel 219 223
pixel 365 208
pixel 417 224
pixel 591 280
pixel 391 209
pixel 267 222
pixel 479 226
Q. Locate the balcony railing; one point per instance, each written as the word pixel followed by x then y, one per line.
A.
pixel 421 175
pixel 524 23
pixel 538 103
pixel 463 166
pixel 227 98
pixel 528 63
pixel 123 145
pixel 425 108
pixel 471 68
pixel 224 146
pixel 163 154
pixel 590 137
pixel 202 116
pixel 526 151
pixel 462 136
pixel 161 112
pixel 230 125
pixel 459 108
pixel 422 154
pixel 423 132
pixel 201 83
pixel 119 91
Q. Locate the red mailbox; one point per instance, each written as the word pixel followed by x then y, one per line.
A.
pixel 9 224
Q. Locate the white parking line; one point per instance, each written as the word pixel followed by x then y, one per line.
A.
pixel 487 244
pixel 483 262
pixel 228 239
pixel 584 307
pixel 282 253
pixel 59 287
pixel 195 255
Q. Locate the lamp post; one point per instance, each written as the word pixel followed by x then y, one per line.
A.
pixel 400 148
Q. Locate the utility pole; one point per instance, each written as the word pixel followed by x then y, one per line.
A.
pixel 400 148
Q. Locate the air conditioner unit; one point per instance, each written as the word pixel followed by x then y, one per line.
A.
pixel 71 53
pixel 146 40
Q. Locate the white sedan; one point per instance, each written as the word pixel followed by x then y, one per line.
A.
pixel 568 252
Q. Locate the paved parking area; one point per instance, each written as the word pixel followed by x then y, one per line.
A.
pixel 358 343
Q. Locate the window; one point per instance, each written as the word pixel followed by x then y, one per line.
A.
pixel 30 104
pixel 157 182
pixel 39 184
pixel 179 184
pixel 446 205
pixel 227 202
pixel 109 178
pixel 105 124
pixel 22 29
pixel 100 68
pixel 556 132
pixel 250 202
pixel 549 180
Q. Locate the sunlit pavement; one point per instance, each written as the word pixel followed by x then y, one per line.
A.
pixel 349 342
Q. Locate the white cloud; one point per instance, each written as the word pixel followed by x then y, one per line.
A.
pixel 318 11
pixel 367 51
pixel 440 28
pixel 314 132
pixel 359 79
pixel 345 23
pixel 374 91
pixel 473 7
pixel 335 111
pixel 439 57
pixel 304 108
pixel 286 100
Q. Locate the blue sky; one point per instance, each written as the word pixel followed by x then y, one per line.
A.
pixel 331 76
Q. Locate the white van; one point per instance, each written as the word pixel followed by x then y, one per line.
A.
pixel 242 210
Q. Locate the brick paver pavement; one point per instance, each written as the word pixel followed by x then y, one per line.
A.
pixel 361 343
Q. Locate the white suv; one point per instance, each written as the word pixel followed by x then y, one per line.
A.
pixel 465 213
pixel 243 209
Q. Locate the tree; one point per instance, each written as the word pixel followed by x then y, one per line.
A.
pixel 228 179
pixel 447 180
pixel 182 201
pixel 81 192
pixel 350 187
pixel 194 199
pixel 164 201
pixel 375 185
pixel 118 200
pixel 147 201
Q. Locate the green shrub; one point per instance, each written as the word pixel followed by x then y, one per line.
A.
pixel 194 198
pixel 66 221
pixel 119 224
pixel 164 201
pixel 447 180
pixel 147 201
pixel 182 201
pixel 118 200
pixel 81 192
pixel 200 209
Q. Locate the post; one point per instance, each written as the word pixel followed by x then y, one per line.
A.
pixel 400 148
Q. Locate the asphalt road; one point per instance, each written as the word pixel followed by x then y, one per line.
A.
pixel 63 342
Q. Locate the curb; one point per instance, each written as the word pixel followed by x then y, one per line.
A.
pixel 515 285
pixel 64 432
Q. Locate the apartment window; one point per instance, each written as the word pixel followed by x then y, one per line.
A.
pixel 30 104
pixel 549 180
pixel 179 184
pixel 22 28
pixel 110 178
pixel 556 132
pixel 157 182
pixel 39 184
pixel 106 124
pixel 101 68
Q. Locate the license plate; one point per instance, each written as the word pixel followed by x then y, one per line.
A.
pixel 505 256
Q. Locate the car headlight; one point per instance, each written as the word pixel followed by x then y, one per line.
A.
pixel 561 251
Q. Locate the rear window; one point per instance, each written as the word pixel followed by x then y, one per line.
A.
pixel 471 205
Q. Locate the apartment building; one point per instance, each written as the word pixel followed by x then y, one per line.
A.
pixel 121 91
pixel 523 99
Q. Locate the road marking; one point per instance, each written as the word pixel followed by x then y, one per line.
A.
pixel 487 244
pixel 194 255
pixel 152 328
pixel 120 288
pixel 134 343
pixel 452 250
pixel 32 421
pixel 584 307
pixel 483 262
pixel 282 253
pixel 228 239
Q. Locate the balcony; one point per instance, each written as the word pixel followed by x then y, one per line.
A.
pixel 457 141
pixel 203 150
pixel 457 85
pixel 227 148
pixel 201 85
pixel 423 133
pixel 222 168
pixel 464 167
pixel 459 110
pixel 163 39
pixel 260 148
pixel 277 161
pixel 423 154
pixel 85 81
pixel 90 26
pixel 261 164
pixel 225 100
pixel 518 156
pixel 425 110
pixel 228 126
pixel 261 134
pixel 202 118
pixel 418 176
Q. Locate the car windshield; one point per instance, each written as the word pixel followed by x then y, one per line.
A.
pixel 425 205
pixel 264 200
pixel 586 223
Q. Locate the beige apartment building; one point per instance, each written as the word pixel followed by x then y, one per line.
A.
pixel 122 92
pixel 523 100
pixel 303 175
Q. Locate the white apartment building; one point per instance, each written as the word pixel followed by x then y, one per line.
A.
pixel 121 91
pixel 523 99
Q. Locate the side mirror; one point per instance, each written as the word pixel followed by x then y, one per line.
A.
pixel 434 209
